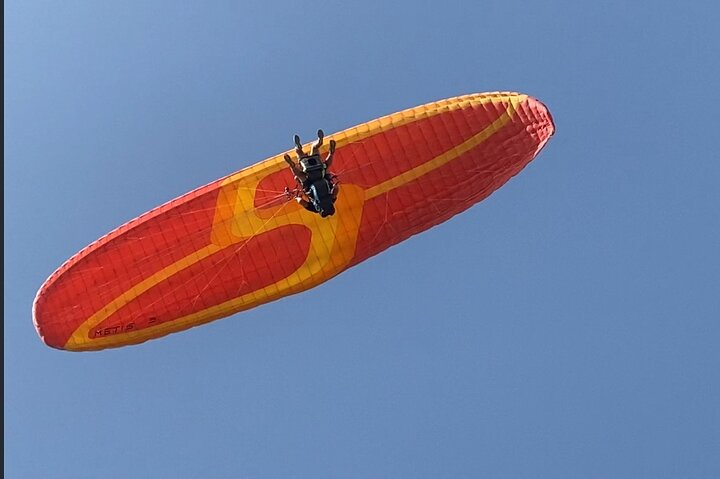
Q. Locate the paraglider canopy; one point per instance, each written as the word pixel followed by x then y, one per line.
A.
pixel 239 242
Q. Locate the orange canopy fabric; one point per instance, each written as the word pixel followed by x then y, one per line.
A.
pixel 240 241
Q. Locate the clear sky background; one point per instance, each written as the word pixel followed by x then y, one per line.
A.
pixel 566 327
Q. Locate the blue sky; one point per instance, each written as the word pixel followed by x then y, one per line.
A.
pixel 566 327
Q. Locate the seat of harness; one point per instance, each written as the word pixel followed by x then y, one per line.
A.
pixel 313 167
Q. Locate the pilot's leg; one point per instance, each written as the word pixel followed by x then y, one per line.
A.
pixel 318 143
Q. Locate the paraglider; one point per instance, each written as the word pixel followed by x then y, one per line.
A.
pixel 312 174
pixel 240 241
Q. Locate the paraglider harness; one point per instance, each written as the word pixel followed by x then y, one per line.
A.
pixel 319 185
